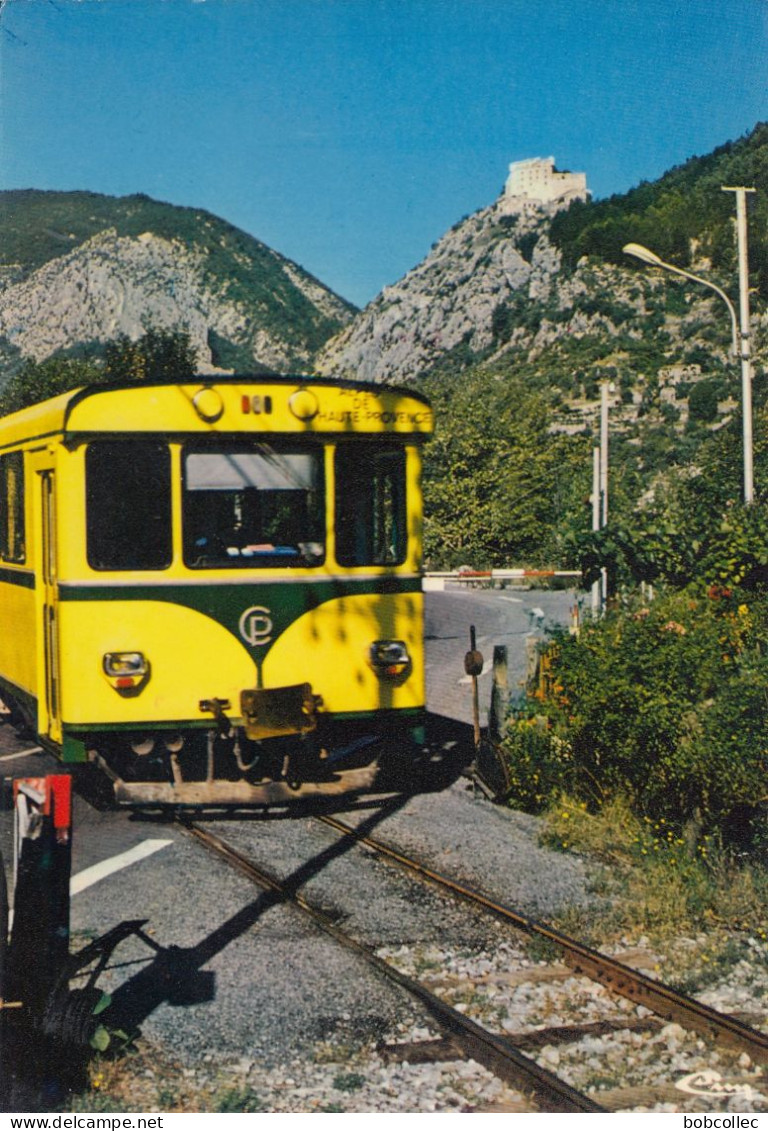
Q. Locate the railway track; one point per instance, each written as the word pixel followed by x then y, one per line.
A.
pixel 494 1052
pixel 616 976
pixel 504 1055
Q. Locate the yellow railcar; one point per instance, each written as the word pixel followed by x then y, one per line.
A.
pixel 213 590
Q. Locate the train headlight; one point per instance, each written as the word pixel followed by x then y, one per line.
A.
pixel 389 658
pixel 125 670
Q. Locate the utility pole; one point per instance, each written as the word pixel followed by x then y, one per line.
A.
pixel 605 387
pixel 745 351
pixel 596 585
pixel 600 494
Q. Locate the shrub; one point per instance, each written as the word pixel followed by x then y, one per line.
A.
pixel 238 1100
pixel 702 401
pixel 348 1081
pixel 665 703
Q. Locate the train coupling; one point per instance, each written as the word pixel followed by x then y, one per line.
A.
pixel 277 711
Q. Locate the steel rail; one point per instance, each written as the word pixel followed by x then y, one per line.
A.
pixel 614 975
pixel 494 1052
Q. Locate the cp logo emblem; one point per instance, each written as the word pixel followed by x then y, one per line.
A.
pixel 256 626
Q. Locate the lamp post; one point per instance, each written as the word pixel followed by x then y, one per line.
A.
pixel 739 326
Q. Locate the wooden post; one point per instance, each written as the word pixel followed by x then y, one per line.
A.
pixel 532 663
pixel 499 694
pixel 473 666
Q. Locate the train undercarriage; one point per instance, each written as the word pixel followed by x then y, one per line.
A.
pixel 223 765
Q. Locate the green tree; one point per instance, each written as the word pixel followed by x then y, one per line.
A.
pixel 37 381
pixel 159 355
pixel 494 477
pixel 702 401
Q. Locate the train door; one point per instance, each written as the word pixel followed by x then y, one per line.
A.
pixel 50 715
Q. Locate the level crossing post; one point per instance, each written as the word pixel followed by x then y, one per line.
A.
pixel 37 965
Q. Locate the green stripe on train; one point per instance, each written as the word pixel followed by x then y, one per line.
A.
pixel 23 577
pixel 232 604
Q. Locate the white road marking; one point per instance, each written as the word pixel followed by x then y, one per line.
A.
pixel 105 868
pixel 21 753
pixel 100 871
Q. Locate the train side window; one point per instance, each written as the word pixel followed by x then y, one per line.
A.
pixel 128 505
pixel 12 534
pixel 371 527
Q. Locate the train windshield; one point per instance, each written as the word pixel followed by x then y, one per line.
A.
pixel 252 505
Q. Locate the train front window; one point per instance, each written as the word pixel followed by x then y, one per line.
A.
pixel 252 506
pixel 371 526
pixel 128 505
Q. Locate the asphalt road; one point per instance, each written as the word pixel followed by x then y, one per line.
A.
pixel 506 616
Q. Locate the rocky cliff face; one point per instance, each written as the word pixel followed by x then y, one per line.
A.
pixel 243 305
pixel 494 288
pixel 449 298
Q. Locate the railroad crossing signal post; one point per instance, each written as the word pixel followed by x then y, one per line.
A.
pixel 3 957
pixel 473 666
pixel 39 948
pixel 37 957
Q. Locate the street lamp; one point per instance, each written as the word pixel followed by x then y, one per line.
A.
pixel 650 257
pixel 740 333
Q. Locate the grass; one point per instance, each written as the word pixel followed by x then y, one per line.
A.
pixel 348 1081
pixel 238 1100
pixel 663 883
pixel 142 1078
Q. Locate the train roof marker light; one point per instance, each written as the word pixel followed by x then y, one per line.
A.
pixel 208 404
pixel 304 405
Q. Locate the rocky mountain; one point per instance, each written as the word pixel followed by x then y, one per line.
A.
pixel 540 287
pixel 450 298
pixel 78 270
pixel 545 285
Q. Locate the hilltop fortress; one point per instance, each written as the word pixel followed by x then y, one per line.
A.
pixel 535 183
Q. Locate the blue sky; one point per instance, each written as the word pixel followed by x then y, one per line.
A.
pixel 350 134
